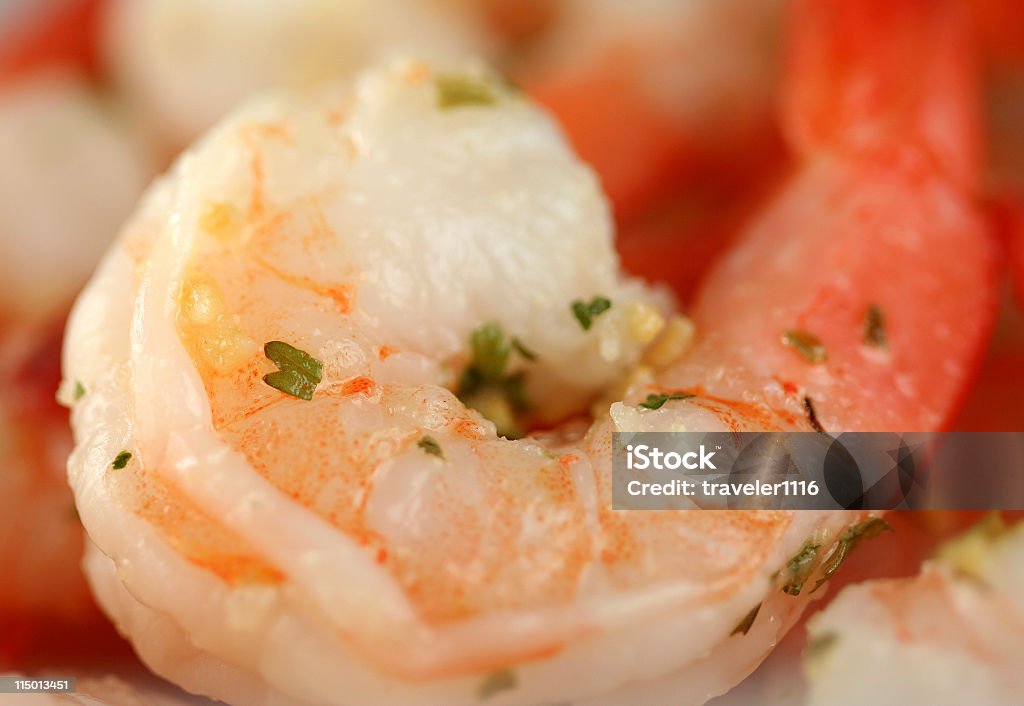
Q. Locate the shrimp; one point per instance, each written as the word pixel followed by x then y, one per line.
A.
pixel 662 92
pixel 381 532
pixel 265 429
pixel 954 634
pixel 70 174
pixel 875 252
pixel 182 64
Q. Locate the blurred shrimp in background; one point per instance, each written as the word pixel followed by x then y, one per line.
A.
pixel 182 64
pixel 70 173
pixel 994 404
pixel 673 102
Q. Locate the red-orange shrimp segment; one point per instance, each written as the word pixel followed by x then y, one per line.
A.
pixel 875 249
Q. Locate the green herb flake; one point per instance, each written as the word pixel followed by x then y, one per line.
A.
pixel 498 402
pixel 299 373
pixel 806 344
pixel 497 682
pixel 874 328
pixel 818 645
pixel 748 621
pixel 121 460
pixel 586 313
pixel 799 568
pixel 486 386
pixel 79 390
pixel 460 90
pixel 850 540
pixel 491 350
pixel 429 445
pixel 522 350
pixel 657 401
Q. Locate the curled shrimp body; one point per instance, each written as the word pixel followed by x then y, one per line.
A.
pixel 270 353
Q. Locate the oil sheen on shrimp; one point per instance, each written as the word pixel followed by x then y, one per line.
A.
pixel 380 543
pixel 953 634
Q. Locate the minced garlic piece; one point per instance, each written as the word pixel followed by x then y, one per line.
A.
pixel 208 331
pixel 201 301
pixel 673 342
pixel 970 553
pixel 644 322
pixel 220 219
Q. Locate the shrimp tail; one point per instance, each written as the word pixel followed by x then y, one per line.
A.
pixel 879 78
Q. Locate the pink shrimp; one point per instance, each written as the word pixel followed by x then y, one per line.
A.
pixel 660 96
pixel 866 290
pixel 362 535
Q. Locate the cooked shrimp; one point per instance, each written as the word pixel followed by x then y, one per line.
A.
pixel 69 177
pixel 867 290
pixel 381 531
pixel 283 355
pixel 655 91
pixel 954 634
pixel 184 63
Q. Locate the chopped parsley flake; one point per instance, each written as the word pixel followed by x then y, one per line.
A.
pixel 874 328
pixel 497 682
pixel 818 645
pixel 121 460
pixel 299 373
pixel 799 568
pixel 806 344
pixel 429 445
pixel 486 386
pixel 586 313
pixel 522 350
pixel 79 390
pixel 491 349
pixel 847 543
pixel 657 401
pixel 748 621
pixel 459 90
